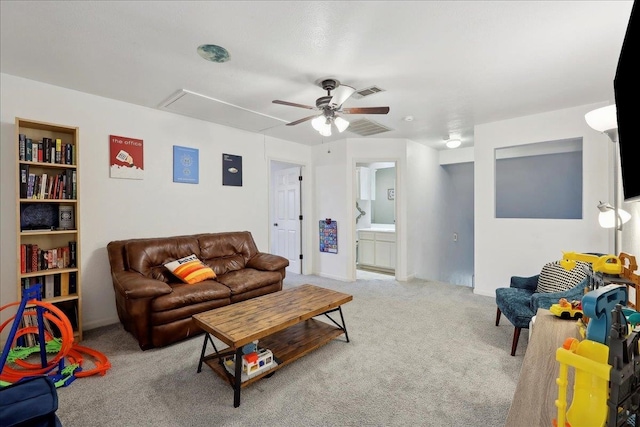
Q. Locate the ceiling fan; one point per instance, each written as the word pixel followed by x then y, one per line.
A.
pixel 329 106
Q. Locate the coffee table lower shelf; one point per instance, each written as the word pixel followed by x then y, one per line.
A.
pixel 287 345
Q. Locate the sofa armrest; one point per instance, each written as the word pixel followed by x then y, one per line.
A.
pixel 268 262
pixel 135 286
pixel 530 283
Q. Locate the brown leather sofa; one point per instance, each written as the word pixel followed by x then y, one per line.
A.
pixel 156 307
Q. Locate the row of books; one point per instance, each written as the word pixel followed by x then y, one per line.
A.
pixel 30 318
pixel 32 258
pixel 53 285
pixel 45 151
pixel 47 186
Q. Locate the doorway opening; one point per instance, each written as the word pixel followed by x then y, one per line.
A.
pixel 285 213
pixel 375 222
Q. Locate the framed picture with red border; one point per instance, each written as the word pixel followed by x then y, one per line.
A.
pixel 126 158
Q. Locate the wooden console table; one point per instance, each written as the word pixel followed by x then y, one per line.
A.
pixel 534 399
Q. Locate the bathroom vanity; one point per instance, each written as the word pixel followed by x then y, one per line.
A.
pixel 377 247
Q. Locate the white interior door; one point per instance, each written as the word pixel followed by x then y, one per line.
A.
pixel 286 226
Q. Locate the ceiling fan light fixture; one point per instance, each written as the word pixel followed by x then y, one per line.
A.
pixel 318 123
pixel 341 124
pixel 325 130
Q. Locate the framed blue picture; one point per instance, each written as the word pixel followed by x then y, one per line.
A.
pixel 185 165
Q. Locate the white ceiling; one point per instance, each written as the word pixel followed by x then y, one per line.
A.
pixel 449 64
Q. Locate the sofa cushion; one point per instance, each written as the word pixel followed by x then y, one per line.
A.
pixel 148 256
pixel 225 252
pixel 184 295
pixel 248 279
pixel 554 278
pixel 190 269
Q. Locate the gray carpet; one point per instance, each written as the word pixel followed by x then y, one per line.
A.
pixel 421 353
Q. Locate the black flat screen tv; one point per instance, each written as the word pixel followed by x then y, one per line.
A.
pixel 626 85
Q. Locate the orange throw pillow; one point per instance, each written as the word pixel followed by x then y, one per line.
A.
pixel 190 269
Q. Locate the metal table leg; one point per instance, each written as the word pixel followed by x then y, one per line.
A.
pixel 238 378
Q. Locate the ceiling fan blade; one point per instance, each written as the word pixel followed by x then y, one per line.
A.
pixel 293 104
pixel 340 95
pixel 302 120
pixel 366 110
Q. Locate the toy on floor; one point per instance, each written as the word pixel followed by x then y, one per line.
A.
pixel 63 347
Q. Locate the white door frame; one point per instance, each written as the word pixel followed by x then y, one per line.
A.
pixel 399 197
pixel 304 263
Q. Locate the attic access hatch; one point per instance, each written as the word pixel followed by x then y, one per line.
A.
pixel 213 110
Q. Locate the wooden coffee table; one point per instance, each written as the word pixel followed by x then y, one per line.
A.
pixel 281 321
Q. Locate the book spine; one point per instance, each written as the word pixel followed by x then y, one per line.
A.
pixel 28 150
pixel 22 145
pixel 73 283
pixel 73 183
pixel 43 187
pixel 40 151
pixel 72 253
pixel 23 258
pixel 67 154
pixel 46 149
pixel 57 284
pixel 30 184
pixel 24 180
pixel 64 284
pixel 48 286
pixel 58 150
pixel 34 258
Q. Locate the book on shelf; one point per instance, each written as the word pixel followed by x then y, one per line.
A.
pixel 68 154
pixel 28 149
pixel 34 257
pixel 58 150
pixel 23 258
pixel 48 286
pixel 57 284
pixel 64 284
pixel 40 151
pixel 72 253
pixel 73 283
pixel 22 145
pixel 24 180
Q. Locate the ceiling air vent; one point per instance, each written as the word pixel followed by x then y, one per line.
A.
pixel 366 92
pixel 366 127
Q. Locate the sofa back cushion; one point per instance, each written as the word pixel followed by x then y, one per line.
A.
pixel 148 256
pixel 554 278
pixel 225 252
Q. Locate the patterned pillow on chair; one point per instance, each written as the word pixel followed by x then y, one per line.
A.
pixel 554 278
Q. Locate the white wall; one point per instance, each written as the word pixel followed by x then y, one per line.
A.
pixel 425 192
pixel 506 247
pixel 112 209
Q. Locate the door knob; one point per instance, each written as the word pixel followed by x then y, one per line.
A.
pixel 275 224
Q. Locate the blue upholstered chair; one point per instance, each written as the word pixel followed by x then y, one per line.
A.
pixel 525 295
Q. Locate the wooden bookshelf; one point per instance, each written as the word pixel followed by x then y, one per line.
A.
pixel 48 214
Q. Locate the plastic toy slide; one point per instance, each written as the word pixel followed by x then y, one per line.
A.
pixel 591 383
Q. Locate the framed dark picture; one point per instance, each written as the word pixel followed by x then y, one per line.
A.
pixel 231 170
